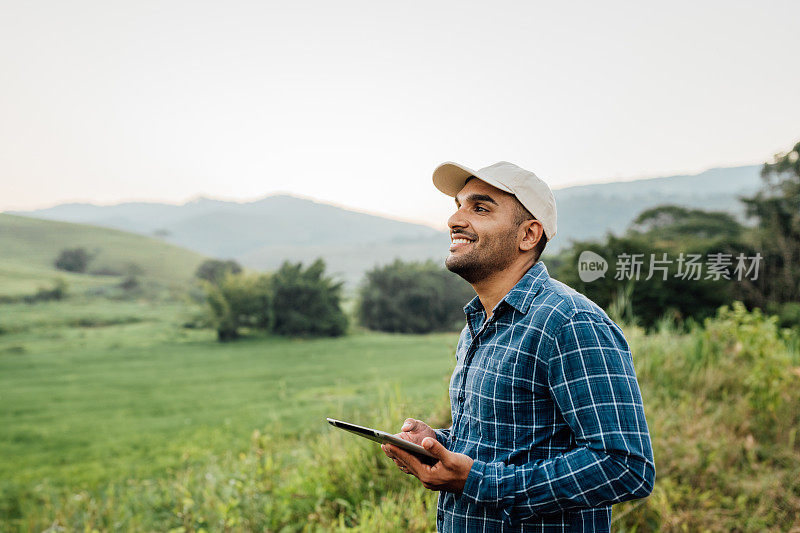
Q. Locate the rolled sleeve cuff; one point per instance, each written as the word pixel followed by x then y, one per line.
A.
pixel 492 485
pixel 471 491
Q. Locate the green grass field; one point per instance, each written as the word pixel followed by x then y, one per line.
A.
pixel 96 391
pixel 116 416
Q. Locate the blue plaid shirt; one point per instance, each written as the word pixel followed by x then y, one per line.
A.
pixel 544 398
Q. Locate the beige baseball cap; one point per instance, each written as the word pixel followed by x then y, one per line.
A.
pixel 531 191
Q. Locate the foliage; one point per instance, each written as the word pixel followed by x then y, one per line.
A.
pixel 214 270
pixel 293 301
pixel 130 283
pixel 306 302
pixel 57 292
pixel 73 260
pixel 788 313
pixel 776 209
pixel 237 301
pixel 676 222
pixel 721 403
pixel 662 294
pixel 413 298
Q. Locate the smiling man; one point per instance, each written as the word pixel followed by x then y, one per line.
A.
pixel 548 429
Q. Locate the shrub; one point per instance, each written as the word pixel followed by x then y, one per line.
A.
pixel 57 292
pixel 239 300
pixel 214 270
pixel 130 283
pixel 413 298
pixel 73 260
pixel 306 302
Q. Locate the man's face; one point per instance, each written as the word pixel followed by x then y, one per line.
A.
pixel 483 235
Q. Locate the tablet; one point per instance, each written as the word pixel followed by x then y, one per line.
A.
pixel 386 438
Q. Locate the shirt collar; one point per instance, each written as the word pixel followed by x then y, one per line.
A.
pixel 520 297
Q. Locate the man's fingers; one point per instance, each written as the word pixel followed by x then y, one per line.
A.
pixel 387 449
pixel 409 425
pixel 436 449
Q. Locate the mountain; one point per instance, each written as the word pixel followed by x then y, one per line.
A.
pixel 263 233
pixel 591 211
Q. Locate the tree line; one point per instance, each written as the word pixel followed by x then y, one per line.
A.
pixel 411 297
pixel 303 301
pixel 768 243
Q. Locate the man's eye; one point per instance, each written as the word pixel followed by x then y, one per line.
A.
pixel 480 208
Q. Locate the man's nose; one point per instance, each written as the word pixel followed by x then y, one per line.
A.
pixel 457 220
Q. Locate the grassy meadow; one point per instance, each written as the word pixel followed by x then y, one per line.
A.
pixel 114 415
pixel 29 247
pixel 96 392
pixel 119 411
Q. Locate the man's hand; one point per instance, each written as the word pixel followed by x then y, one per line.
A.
pixel 415 431
pixel 449 474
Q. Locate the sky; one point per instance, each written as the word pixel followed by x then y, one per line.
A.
pixel 355 103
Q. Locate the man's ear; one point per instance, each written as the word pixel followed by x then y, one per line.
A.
pixel 532 233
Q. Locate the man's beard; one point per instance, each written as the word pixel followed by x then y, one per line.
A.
pixel 482 261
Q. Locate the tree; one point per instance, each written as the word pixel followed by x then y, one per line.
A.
pixel 670 230
pixel 413 298
pixel 776 208
pixel 306 302
pixel 214 270
pixel 237 301
pixel 73 260
pixel 673 222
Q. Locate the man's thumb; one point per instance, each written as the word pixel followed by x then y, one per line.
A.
pixel 409 424
pixel 435 448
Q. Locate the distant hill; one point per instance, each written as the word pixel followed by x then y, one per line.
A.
pixel 30 246
pixel 263 233
pixel 591 211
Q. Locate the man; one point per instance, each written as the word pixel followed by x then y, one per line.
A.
pixel 548 428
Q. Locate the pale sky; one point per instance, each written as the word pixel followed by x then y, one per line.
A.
pixel 355 103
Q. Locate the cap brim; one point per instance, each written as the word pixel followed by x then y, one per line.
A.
pixel 450 178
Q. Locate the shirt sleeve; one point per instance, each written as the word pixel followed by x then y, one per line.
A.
pixel 443 436
pixel 593 384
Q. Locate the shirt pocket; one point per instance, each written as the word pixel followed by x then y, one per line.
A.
pixel 500 401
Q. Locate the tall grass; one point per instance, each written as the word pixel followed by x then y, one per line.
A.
pixel 335 481
pixel 723 405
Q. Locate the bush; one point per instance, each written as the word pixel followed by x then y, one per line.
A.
pixel 306 302
pixel 649 300
pixel 57 292
pixel 239 300
pixel 73 260
pixel 130 284
pixel 413 298
pixel 721 404
pixel 214 270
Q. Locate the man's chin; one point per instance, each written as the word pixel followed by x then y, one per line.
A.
pixel 466 269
